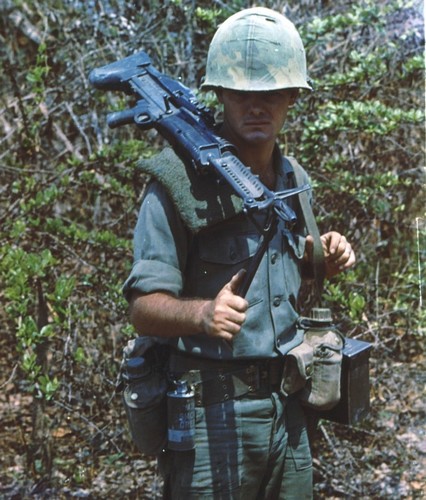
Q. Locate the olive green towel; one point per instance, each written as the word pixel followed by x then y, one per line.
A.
pixel 200 199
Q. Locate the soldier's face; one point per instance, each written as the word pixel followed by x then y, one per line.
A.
pixel 254 118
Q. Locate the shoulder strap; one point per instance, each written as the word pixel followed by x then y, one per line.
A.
pixel 311 226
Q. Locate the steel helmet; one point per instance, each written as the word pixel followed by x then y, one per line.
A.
pixel 256 49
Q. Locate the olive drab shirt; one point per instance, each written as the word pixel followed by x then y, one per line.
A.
pixel 168 257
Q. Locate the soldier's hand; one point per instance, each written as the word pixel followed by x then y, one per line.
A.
pixel 338 253
pixel 224 315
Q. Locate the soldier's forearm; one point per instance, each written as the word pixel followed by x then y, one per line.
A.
pixel 162 315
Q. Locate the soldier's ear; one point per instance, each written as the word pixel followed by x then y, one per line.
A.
pixel 294 94
pixel 219 94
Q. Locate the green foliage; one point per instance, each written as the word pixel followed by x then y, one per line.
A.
pixel 347 298
pixel 209 15
pixel 372 117
pixel 22 273
pixel 47 387
pixel 37 75
pixel 361 139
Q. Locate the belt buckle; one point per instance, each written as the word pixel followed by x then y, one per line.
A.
pixel 253 378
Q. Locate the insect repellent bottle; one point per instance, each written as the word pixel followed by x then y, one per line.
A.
pixel 181 417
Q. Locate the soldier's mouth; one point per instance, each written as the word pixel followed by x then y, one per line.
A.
pixel 256 123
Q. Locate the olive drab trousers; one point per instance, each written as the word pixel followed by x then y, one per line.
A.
pixel 248 449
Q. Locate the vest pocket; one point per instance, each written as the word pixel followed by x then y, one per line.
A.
pixel 219 258
pixel 227 250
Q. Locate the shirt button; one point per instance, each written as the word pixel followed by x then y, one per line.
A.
pixel 274 258
pixel 277 301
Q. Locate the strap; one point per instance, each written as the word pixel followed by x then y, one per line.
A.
pixel 312 228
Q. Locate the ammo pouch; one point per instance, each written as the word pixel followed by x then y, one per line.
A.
pixel 314 367
pixel 144 396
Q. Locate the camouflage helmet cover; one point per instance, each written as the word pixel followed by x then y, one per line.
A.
pixel 256 49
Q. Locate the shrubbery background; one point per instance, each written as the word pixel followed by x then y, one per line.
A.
pixel 69 196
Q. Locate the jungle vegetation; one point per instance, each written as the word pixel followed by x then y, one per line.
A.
pixel 69 196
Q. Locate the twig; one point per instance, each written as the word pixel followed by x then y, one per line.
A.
pixel 87 421
pixel 25 26
pixel 12 376
pixel 222 5
pixel 419 264
pixel 329 441
pixel 80 129
pixel 67 143
pixel 376 280
pixel 70 250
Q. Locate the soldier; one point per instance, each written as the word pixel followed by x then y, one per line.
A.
pixel 250 439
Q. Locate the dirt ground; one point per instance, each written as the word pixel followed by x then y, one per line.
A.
pixel 91 456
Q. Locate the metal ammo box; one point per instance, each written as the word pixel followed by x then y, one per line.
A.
pixel 354 404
